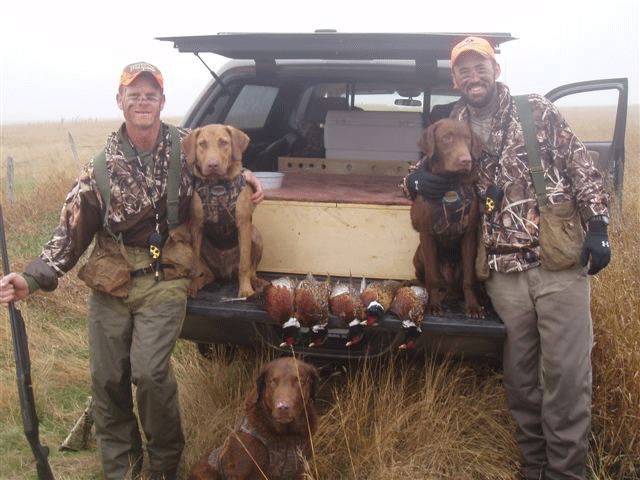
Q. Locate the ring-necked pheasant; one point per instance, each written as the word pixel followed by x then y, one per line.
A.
pixel 346 304
pixel 377 297
pixel 409 304
pixel 279 301
pixel 312 307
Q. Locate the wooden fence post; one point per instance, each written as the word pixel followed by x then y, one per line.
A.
pixel 10 184
pixel 74 151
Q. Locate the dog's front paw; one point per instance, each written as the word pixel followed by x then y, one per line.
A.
pixel 246 292
pixel 435 310
pixel 434 303
pixel 474 310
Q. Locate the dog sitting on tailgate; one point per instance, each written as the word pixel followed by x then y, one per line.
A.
pixel 228 243
pixel 273 440
pixel 448 226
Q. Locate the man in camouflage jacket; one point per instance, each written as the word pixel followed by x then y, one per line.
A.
pixel 132 332
pixel 547 352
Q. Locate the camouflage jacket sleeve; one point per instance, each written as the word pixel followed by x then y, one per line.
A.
pixel 570 171
pixel 80 219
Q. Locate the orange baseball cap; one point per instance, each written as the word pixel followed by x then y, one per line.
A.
pixel 131 72
pixel 473 44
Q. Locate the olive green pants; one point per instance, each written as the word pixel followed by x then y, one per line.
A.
pixel 547 366
pixel 130 342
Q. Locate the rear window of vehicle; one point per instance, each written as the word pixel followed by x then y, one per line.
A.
pixel 251 107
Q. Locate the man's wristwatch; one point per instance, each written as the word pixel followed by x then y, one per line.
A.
pixel 602 218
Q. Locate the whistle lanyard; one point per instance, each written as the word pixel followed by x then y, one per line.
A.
pixel 150 190
pixel 155 239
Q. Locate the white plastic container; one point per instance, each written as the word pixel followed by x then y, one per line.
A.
pixel 359 135
pixel 270 180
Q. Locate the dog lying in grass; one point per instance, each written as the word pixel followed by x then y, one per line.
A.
pixel 274 439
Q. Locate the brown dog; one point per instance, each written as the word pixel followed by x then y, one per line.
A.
pixel 448 227
pixel 274 438
pixel 228 243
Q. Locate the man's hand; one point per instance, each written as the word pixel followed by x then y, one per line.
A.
pixel 596 246
pixel 13 287
pixel 258 194
pixel 426 184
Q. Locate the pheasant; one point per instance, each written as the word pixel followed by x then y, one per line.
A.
pixel 409 304
pixel 346 304
pixel 312 307
pixel 377 298
pixel 279 302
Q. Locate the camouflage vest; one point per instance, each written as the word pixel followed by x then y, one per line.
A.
pixel 451 213
pixel 219 200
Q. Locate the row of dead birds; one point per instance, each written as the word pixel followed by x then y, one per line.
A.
pixel 308 303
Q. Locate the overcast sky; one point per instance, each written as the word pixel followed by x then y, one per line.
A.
pixel 62 59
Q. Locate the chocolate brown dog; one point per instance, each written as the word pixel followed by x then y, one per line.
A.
pixel 445 258
pixel 228 243
pixel 274 438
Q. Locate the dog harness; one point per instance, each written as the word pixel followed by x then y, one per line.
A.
pixel 219 200
pixel 451 213
pixel 284 460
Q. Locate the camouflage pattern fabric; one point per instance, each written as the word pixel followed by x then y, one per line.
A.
pixel 450 219
pixel 219 199
pixel 131 211
pixel 510 233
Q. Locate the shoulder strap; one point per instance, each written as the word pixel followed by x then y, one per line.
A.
pixel 531 144
pixel 102 180
pixel 173 179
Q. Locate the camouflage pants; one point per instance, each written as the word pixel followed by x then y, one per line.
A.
pixel 547 367
pixel 130 342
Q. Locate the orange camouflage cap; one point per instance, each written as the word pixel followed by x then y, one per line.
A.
pixel 131 72
pixel 473 44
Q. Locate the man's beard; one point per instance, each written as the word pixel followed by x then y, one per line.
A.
pixel 482 102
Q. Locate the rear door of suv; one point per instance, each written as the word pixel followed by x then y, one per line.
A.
pixel 596 110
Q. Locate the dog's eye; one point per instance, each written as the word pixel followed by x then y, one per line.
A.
pixel 202 144
pixel 223 142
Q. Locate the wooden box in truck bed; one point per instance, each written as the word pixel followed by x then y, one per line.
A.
pixel 338 224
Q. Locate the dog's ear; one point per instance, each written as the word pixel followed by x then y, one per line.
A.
pixel 189 146
pixel 261 384
pixel 239 142
pixel 427 142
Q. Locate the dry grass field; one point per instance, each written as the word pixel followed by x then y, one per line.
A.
pixel 434 420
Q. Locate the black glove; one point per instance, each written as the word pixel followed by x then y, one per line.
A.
pixel 428 185
pixel 596 246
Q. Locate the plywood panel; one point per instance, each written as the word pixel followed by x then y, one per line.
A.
pixel 376 241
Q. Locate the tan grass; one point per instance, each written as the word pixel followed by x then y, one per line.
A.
pixel 430 420
pixel 437 420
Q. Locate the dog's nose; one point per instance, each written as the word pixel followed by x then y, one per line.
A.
pixel 283 406
pixel 465 161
